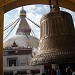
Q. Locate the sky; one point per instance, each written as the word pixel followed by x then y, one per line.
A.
pixel 34 12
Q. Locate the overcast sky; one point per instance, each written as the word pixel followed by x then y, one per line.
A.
pixel 34 12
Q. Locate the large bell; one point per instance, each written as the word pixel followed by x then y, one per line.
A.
pixel 57 41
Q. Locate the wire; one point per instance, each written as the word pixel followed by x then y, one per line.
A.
pixel 8 30
pixel 5 32
pixel 33 22
pixel 11 29
pixel 10 25
pixel 33 32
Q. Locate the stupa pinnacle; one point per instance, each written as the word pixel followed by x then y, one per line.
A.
pixel 23 28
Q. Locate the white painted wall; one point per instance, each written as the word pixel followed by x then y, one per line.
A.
pixel 21 59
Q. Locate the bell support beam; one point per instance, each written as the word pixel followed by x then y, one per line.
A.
pixel 69 4
pixel 5 2
pixel 72 0
pixel 1 40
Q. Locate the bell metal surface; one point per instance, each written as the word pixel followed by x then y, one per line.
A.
pixel 57 41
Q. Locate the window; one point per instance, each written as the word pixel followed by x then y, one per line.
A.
pixel 8 73
pixel 12 62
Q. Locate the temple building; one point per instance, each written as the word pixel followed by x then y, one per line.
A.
pixel 18 51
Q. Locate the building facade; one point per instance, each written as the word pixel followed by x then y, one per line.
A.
pixel 19 50
pixel 16 61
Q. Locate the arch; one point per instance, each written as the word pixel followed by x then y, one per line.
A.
pixel 69 4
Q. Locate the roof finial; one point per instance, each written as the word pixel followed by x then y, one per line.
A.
pixel 14 44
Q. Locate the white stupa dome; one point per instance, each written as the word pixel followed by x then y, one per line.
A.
pixel 22 41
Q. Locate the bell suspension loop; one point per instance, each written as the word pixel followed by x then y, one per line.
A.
pixel 50 4
pixel 54 7
pixel 57 5
pixel 57 2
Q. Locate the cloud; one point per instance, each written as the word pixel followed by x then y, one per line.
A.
pixel 34 12
pixel 30 14
pixel 30 7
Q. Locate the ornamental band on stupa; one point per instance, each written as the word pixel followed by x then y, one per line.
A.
pixel 57 40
